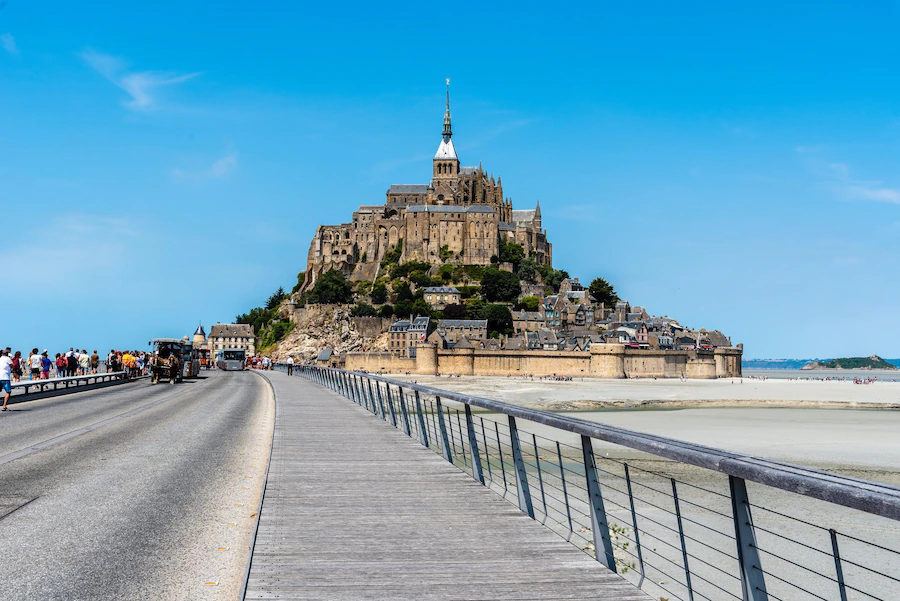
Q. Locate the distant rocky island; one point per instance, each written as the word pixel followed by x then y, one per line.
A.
pixel 871 362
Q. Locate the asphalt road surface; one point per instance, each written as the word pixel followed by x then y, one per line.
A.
pixel 138 491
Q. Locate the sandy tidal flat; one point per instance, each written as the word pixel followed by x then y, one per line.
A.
pixel 588 394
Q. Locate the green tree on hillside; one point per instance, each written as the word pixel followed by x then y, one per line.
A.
pixel 554 277
pixel 529 303
pixel 500 286
pixel 454 312
pixel 363 310
pixel 603 292
pixel 332 287
pixel 499 320
pixel 528 271
pixel 510 252
pixel 275 299
pixel 379 293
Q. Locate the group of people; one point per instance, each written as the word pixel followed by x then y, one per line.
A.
pixel 264 363
pixel 38 365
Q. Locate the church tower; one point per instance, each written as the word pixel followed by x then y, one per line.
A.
pixel 446 163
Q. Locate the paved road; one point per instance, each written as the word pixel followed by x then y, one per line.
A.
pixel 137 491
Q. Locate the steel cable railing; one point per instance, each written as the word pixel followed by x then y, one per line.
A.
pixel 653 512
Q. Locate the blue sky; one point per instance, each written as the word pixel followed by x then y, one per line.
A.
pixel 734 167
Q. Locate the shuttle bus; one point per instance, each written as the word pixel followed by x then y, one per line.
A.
pixel 231 359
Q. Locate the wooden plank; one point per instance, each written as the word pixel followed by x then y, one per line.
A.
pixel 355 509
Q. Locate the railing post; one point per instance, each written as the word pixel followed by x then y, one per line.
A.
pixel 403 413
pixel 837 564
pixel 357 392
pixel 753 583
pixel 502 462
pixel 684 553
pixel 487 454
pixel 361 392
pixel 423 431
pixel 372 396
pixel 445 440
pixel 462 441
pixel 537 463
pixel 390 401
pixel 634 524
pixel 603 549
pixel 477 474
pixel 521 475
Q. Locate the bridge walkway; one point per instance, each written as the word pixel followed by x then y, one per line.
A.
pixel 354 509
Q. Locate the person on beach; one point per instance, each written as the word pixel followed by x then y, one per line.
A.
pixel 5 376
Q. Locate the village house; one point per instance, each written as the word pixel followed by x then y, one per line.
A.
pixel 454 329
pixel 527 321
pixel 441 296
pixel 232 336
pixel 405 335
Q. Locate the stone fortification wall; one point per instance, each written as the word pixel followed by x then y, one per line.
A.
pixel 382 361
pixel 603 361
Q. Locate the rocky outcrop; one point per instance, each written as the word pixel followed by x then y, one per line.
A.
pixel 332 327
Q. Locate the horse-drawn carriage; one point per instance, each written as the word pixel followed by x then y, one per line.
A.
pixel 166 362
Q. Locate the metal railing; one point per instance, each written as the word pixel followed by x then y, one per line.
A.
pixel 65 383
pixel 674 517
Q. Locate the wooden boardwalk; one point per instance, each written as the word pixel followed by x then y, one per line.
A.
pixel 354 509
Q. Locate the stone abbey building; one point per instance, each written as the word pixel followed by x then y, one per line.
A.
pixel 460 216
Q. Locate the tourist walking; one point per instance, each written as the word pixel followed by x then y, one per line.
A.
pixel 60 365
pixel 46 365
pixel 290 364
pixel 95 362
pixel 34 360
pixel 17 367
pixel 5 376
pixel 71 362
pixel 84 362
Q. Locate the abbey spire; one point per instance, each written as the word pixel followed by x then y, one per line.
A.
pixel 446 164
pixel 448 130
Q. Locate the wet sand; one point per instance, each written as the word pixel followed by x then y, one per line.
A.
pixel 589 394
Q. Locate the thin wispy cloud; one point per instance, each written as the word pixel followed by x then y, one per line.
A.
pixel 141 86
pixel 838 178
pixel 218 170
pixel 9 43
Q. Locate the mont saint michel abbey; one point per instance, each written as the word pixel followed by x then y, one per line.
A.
pixel 461 214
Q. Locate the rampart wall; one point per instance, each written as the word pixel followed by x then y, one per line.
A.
pixel 603 361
